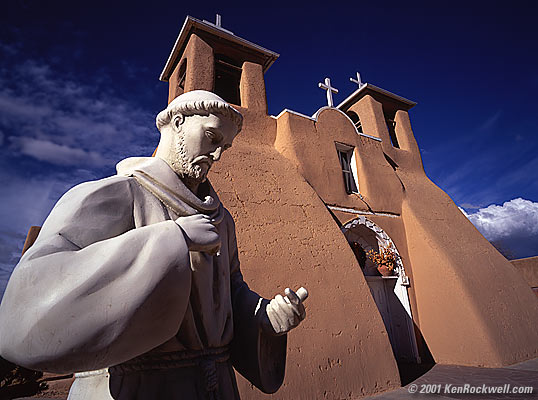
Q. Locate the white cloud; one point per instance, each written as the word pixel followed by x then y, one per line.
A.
pixel 17 108
pixel 514 216
pixel 513 226
pixel 53 153
pixel 56 113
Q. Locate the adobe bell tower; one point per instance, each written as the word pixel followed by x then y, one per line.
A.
pixel 208 57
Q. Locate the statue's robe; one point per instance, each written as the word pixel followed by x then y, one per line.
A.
pixel 110 283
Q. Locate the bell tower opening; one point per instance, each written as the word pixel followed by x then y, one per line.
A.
pixel 227 79
pixel 391 126
pixel 182 74
pixel 356 120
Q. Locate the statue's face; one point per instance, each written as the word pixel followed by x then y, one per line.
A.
pixel 199 142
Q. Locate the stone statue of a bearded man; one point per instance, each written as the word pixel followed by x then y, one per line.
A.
pixel 134 280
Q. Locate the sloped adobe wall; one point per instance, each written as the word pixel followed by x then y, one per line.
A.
pixel 286 237
pixel 528 267
pixel 472 306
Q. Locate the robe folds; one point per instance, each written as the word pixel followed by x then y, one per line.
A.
pixel 110 281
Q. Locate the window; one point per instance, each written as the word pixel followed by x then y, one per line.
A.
pixel 356 120
pixel 181 75
pixel 391 125
pixel 227 79
pixel 347 162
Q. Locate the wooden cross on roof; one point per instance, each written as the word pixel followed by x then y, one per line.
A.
pixel 218 24
pixel 330 90
pixel 358 81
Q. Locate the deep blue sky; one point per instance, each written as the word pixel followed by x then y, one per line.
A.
pixel 79 91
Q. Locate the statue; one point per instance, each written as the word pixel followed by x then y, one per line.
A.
pixel 134 280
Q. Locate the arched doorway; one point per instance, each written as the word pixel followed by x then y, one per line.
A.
pixel 389 292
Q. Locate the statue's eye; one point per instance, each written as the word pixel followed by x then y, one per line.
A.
pixel 213 136
pixel 210 135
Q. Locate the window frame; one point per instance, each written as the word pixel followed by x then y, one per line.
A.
pixel 346 157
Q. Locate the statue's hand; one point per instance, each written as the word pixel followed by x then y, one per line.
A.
pixel 285 313
pixel 200 233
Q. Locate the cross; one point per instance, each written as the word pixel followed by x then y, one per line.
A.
pixel 218 24
pixel 358 80
pixel 330 90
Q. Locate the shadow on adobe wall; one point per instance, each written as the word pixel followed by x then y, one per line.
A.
pixel 410 372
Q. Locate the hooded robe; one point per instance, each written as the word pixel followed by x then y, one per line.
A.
pixel 110 284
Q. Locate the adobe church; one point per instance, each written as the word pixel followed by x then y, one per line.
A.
pixel 306 191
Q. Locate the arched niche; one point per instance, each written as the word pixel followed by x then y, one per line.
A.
pixel 371 237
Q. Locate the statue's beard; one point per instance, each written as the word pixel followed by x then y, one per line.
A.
pixel 181 165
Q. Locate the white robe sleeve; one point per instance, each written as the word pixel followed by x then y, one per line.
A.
pixel 93 291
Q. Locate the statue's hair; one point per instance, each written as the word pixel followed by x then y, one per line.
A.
pixel 199 107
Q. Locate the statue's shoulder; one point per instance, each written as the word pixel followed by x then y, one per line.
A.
pixel 112 187
pixel 92 211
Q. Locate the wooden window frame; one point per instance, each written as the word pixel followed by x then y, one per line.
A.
pixel 345 156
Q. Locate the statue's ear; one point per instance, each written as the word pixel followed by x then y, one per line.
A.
pixel 177 121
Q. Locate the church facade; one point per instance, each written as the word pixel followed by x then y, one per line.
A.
pixel 311 195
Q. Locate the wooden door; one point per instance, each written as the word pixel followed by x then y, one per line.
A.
pixel 385 291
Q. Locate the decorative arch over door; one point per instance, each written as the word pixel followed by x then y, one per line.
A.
pixel 383 242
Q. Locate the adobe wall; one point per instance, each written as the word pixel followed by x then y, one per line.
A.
pixel 528 267
pixel 286 237
pixel 473 307
pixel 470 304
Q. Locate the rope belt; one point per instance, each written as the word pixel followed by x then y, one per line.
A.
pixel 206 360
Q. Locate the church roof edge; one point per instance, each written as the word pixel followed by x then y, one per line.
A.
pixel 186 30
pixel 362 91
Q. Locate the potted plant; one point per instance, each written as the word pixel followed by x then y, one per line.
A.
pixel 385 260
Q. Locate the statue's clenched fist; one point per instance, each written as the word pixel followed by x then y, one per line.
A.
pixel 285 313
pixel 200 233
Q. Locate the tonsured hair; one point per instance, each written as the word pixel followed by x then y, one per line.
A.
pixel 199 107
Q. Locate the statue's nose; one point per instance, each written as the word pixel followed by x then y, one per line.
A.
pixel 216 154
